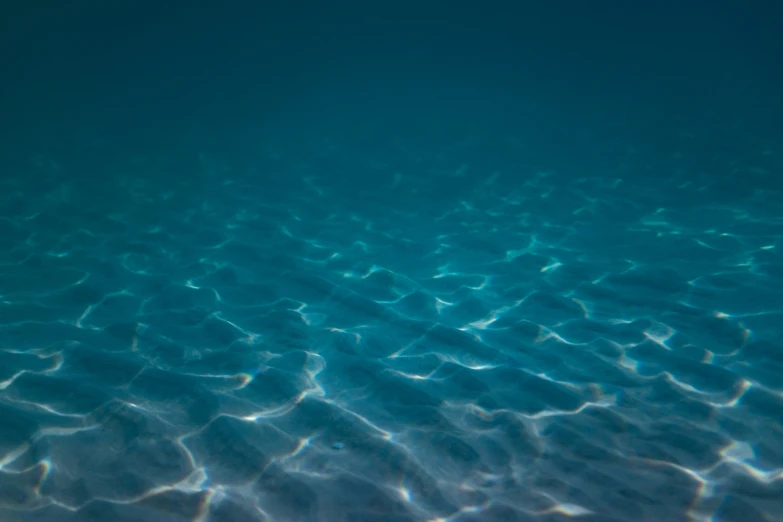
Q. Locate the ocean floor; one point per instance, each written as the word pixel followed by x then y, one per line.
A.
pixel 321 338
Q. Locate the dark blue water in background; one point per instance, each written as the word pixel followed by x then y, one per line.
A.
pixel 434 261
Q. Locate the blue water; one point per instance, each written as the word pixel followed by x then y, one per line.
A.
pixel 391 299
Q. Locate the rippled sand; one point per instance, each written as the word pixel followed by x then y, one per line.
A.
pixel 437 344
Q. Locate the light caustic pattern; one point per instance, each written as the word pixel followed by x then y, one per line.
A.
pixel 533 346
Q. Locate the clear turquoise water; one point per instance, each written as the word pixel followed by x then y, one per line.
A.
pixel 390 276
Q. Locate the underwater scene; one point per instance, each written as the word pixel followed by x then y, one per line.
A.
pixel 417 280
